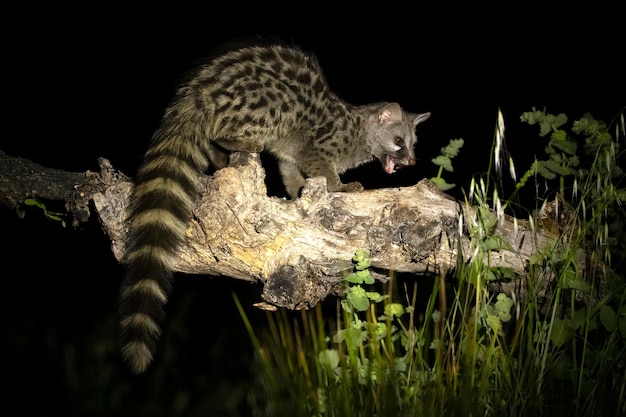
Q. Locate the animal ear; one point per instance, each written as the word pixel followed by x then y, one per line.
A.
pixel 419 118
pixel 390 113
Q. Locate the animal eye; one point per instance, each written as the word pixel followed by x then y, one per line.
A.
pixel 399 140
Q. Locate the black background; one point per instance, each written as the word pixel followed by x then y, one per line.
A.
pixel 82 84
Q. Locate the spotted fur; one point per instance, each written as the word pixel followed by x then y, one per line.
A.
pixel 256 98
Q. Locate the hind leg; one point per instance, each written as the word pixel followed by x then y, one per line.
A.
pixel 292 178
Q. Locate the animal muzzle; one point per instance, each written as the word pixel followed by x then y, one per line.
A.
pixel 391 163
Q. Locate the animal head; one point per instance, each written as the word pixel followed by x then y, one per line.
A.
pixel 391 135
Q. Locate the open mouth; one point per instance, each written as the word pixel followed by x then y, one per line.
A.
pixel 390 165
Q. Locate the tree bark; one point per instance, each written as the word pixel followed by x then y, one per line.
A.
pixel 300 250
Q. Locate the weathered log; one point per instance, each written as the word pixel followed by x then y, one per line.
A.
pixel 300 250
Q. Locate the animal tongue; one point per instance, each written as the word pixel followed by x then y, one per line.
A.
pixel 390 165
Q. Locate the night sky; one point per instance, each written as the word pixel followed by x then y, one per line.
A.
pixel 80 85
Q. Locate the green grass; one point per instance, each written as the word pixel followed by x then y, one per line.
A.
pixel 464 350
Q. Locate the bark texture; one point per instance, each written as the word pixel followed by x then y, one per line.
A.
pixel 299 249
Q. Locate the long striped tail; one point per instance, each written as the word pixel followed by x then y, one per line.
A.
pixel 161 205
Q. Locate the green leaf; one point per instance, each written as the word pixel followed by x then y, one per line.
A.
pixel 394 310
pixel 436 316
pixel 504 272
pixel 351 336
pixel 359 303
pixel 35 202
pixel 359 256
pixel 361 260
pixel 503 307
pixel 328 358
pixel 537 258
pixel 547 122
pixel 558 120
pixel 554 165
pixel 354 278
pixel 358 298
pixel 573 161
pixel 544 171
pixel 558 135
pixel 444 162
pixel 608 318
pixel 494 323
pixel 374 296
pixel 580 318
pixel 621 324
pixel 360 277
pixel 492 243
pixel 442 184
pixel 453 148
pixel 578 284
pixel 562 332
pixel 567 146
pixel 381 330
pixel 499 273
pixel 587 125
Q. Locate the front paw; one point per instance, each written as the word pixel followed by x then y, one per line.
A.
pixel 240 145
pixel 255 147
pixel 351 187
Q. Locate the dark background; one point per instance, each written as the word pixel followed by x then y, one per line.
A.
pixel 82 84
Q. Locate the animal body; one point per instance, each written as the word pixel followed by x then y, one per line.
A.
pixel 256 98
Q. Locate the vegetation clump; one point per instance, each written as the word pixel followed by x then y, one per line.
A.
pixel 388 350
